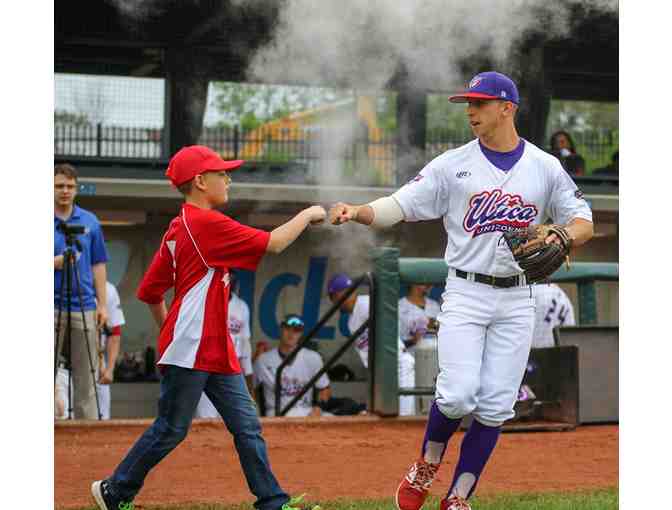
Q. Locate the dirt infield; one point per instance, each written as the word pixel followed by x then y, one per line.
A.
pixel 328 458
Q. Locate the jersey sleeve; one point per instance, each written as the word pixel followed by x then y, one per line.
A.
pixel 229 244
pixel 98 250
pixel 567 201
pixel 245 332
pixel 159 277
pixel 262 375
pixel 425 197
pixel 316 365
pixel 115 315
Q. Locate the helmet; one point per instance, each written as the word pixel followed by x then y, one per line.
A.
pixel 338 282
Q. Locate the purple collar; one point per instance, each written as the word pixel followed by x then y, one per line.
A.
pixel 504 160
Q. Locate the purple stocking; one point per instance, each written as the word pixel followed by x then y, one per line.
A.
pixel 477 445
pixel 439 429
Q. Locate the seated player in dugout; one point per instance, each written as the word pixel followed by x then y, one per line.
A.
pixel 294 376
pixel 357 306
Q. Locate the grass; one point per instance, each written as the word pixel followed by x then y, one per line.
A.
pixel 606 499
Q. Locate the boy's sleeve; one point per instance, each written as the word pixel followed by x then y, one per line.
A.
pixel 227 243
pixel 159 277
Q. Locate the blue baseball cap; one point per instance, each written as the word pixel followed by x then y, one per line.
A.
pixel 338 282
pixel 489 85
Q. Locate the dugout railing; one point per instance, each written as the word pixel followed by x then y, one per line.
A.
pixel 391 271
pixel 365 279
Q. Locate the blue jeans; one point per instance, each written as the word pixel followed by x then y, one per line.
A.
pixel 181 389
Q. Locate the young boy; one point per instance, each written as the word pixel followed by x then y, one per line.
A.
pixel 196 353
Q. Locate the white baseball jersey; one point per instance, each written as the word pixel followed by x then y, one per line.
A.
pixel 239 329
pixel 406 366
pixel 294 377
pixel 359 315
pixel 553 309
pixel 115 317
pixel 486 332
pixel 412 317
pixel 478 202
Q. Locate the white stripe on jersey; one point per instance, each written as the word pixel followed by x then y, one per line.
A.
pixel 189 325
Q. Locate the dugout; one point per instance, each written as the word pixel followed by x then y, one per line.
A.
pixel 576 381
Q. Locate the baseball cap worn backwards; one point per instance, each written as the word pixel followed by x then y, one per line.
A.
pixel 489 85
pixel 192 160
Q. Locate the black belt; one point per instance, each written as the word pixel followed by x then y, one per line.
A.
pixel 503 282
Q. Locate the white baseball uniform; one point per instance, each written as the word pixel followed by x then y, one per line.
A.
pixel 239 328
pixel 554 309
pixel 294 377
pixel 115 317
pixel 359 315
pixel 485 332
pixel 412 317
pixel 406 367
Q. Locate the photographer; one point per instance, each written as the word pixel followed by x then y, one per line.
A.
pixel 79 231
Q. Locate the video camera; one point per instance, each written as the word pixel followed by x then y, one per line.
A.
pixel 71 229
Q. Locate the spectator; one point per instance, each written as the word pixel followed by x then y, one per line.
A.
pixel 239 329
pixel 611 169
pixel 90 260
pixel 553 309
pixel 358 308
pixel 563 148
pixel 295 375
pixel 110 340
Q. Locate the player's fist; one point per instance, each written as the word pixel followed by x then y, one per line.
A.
pixel 316 214
pixel 342 213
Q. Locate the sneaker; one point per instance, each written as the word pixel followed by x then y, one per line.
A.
pixel 454 503
pixel 105 499
pixel 414 487
pixel 296 503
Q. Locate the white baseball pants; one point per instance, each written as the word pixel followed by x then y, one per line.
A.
pixel 484 342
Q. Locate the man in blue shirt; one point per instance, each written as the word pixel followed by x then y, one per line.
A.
pixel 90 256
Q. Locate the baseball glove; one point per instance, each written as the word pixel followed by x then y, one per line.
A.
pixel 538 259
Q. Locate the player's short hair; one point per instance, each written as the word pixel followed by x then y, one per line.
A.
pixel 66 169
pixel 186 187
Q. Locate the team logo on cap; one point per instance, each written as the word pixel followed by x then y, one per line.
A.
pixel 474 83
pixel 494 211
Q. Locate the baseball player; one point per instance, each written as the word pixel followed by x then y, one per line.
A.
pixel 239 328
pixel 196 353
pixel 110 340
pixel 417 315
pixel 295 375
pixel 358 308
pixel 554 309
pixel 494 184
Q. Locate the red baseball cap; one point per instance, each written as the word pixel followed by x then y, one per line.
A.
pixel 190 161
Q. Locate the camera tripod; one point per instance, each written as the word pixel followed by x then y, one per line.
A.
pixel 70 271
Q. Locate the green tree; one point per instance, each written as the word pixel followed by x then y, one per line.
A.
pixel 249 105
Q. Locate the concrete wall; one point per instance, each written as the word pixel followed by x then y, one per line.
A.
pixel 295 281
